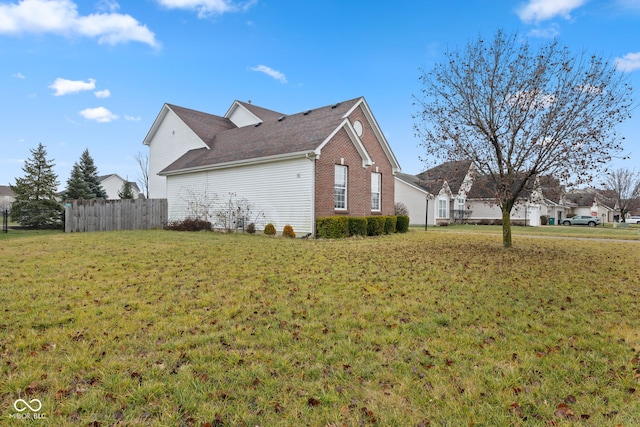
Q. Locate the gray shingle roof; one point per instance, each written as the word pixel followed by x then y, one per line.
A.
pixel 452 172
pixel 5 190
pixel 261 113
pixel 410 179
pixel 206 126
pixel 275 136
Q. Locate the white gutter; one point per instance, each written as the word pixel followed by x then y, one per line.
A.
pixel 237 163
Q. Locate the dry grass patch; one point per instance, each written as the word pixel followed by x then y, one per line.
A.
pixel 163 328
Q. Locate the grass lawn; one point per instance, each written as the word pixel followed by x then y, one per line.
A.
pixel 158 328
pixel 606 232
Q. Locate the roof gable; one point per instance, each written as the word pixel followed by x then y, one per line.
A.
pixel 114 176
pixel 386 148
pixel 204 125
pixel 353 137
pixel 589 197
pixel 246 114
pixel 453 173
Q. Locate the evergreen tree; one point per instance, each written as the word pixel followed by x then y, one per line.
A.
pixel 77 188
pixel 35 193
pixel 126 192
pixel 90 174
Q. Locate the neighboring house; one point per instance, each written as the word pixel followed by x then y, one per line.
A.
pixel 418 200
pixel 591 202
pixel 113 183
pixel 332 160
pixel 6 197
pixel 456 193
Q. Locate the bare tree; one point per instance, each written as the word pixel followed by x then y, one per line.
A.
pixel 518 113
pixel 143 172
pixel 623 186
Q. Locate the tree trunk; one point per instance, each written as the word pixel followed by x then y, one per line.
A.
pixel 506 226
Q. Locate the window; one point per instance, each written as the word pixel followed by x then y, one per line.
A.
pixel 460 212
pixel 340 188
pixel 442 208
pixel 375 191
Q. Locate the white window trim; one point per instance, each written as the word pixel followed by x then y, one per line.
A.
pixel 346 186
pixel 446 208
pixel 377 179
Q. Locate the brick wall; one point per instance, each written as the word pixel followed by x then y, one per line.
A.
pixel 359 178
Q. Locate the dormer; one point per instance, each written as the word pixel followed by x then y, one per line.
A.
pixel 244 114
pixel 241 116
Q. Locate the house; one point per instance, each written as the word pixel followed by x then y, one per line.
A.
pixel 333 160
pixel 592 202
pixel 6 197
pixel 454 192
pixel 113 183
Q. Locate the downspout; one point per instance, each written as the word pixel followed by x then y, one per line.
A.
pixel 312 224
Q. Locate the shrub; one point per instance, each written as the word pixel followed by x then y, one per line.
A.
pixel 390 224
pixel 287 231
pixel 401 209
pixel 251 228
pixel 332 227
pixel 188 224
pixel 402 223
pixel 357 226
pixel 544 220
pixel 270 230
pixel 375 225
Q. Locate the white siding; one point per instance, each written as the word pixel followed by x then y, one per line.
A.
pixel 282 190
pixel 113 184
pixel 490 210
pixel 172 139
pixel 484 210
pixel 416 202
pixel 241 117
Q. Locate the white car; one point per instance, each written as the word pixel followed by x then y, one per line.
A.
pixel 635 219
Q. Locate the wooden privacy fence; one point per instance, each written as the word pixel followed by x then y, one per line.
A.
pixel 111 215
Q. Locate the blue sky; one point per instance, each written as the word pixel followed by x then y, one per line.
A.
pixel 95 74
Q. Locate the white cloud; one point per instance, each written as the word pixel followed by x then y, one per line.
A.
pixel 207 7
pixel 545 33
pixel 99 114
pixel 532 99
pixel 542 10
pixel 629 62
pixel 19 76
pixel 61 17
pixel 628 4
pixel 132 118
pixel 270 72
pixel 102 93
pixel 65 87
pixel 107 6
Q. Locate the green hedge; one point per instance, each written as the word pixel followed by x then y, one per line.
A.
pixel 357 226
pixel 339 227
pixel 332 227
pixel 375 225
pixel 389 224
pixel 402 223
